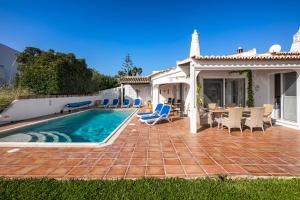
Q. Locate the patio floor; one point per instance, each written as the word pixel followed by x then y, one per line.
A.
pixel 165 150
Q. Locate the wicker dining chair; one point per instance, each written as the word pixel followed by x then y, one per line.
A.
pixel 256 118
pixel 268 113
pixel 206 115
pixel 211 106
pixel 233 120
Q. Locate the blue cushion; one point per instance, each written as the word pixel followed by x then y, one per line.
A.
pixel 78 104
pixel 145 113
pixel 126 101
pixel 150 118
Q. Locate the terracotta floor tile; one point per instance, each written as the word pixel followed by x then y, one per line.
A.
pixel 273 169
pixel 136 171
pixel 213 169
pixel 292 169
pixel 9 170
pixel 155 154
pixel 241 160
pixel 172 161
pixel 205 161
pixel 138 154
pixel 174 169
pixel 60 172
pixel 125 154
pixel 253 169
pixel 188 161
pixel 155 170
pixel 117 170
pixel 275 160
pixel 170 154
pixel 99 170
pixel 79 171
pixel 155 161
pixel 87 162
pixel 234 169
pixel 193 169
pixel 223 160
pixel 105 162
pixel 138 161
pixel 41 170
pixel 121 161
pixel 70 162
pixel 24 170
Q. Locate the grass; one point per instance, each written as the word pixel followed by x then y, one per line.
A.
pixel 150 189
pixel 7 95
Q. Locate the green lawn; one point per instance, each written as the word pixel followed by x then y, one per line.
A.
pixel 150 189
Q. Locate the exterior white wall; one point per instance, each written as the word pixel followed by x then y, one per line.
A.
pixel 298 98
pixel 261 87
pixel 31 108
pixel 165 92
pixel 142 91
pixel 112 93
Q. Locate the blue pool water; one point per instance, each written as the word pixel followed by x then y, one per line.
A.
pixel 89 126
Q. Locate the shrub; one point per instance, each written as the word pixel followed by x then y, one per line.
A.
pixel 7 95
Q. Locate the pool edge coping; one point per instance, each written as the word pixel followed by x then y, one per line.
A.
pixel 108 141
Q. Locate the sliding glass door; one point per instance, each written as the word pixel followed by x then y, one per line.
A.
pixel 213 91
pixel 235 92
pixel 230 92
pixel 289 96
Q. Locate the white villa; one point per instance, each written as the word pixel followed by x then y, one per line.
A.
pixel 275 75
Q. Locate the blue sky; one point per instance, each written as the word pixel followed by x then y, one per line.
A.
pixel 155 33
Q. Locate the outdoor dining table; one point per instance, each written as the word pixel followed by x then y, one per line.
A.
pixel 219 111
pixel 225 110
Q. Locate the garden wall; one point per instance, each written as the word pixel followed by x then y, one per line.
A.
pixel 28 108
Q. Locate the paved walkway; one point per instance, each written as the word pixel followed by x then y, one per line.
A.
pixel 165 150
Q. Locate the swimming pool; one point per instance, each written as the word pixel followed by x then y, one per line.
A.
pixel 91 126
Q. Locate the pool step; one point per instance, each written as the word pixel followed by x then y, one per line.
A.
pixel 53 136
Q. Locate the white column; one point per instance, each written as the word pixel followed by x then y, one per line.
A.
pixel 298 98
pixel 155 94
pixel 122 100
pixel 193 107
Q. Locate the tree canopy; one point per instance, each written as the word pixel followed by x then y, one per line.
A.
pixel 128 69
pixel 50 72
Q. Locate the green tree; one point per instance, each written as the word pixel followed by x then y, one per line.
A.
pixel 102 82
pixel 136 71
pixel 128 69
pixel 50 72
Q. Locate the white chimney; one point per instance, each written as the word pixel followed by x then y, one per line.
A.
pixel 295 48
pixel 195 46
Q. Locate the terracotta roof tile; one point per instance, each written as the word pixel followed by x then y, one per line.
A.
pixel 272 56
pixel 135 79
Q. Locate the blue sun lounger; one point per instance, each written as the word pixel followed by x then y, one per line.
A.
pixel 114 103
pixel 78 104
pixel 126 103
pixel 104 103
pixel 148 114
pixel 163 115
pixel 137 103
